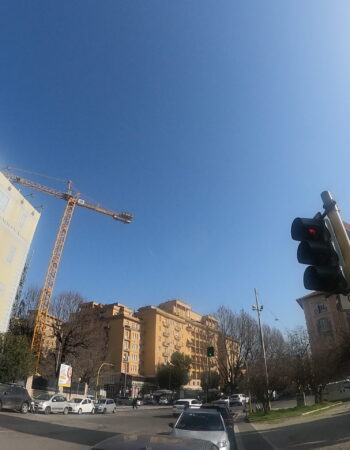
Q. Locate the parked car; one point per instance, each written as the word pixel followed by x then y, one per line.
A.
pixel 105 405
pixel 14 397
pixel 238 399
pixel 139 401
pixel 202 424
pixel 48 403
pixel 185 403
pixel 157 442
pixel 81 405
pixel 224 410
pixel 163 401
pixel 123 400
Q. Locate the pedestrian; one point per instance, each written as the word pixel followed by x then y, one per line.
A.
pixel 134 403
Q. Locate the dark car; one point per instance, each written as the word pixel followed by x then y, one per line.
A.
pixel 14 397
pixel 123 400
pixel 223 410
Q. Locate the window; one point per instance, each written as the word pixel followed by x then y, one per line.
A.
pixel 324 325
pixel 11 254
pixel 126 334
pixel 126 346
pixel 4 199
pixel 320 308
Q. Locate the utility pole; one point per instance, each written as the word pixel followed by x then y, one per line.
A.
pixel 258 309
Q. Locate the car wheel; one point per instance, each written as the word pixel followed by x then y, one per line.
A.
pixel 24 408
pixel 47 410
pixel 80 411
pixel 93 411
pixel 105 411
pixel 65 411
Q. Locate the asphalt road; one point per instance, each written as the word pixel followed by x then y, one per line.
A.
pixel 326 430
pixel 74 432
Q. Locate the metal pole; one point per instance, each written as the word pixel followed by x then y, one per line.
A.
pixel 341 235
pixel 258 309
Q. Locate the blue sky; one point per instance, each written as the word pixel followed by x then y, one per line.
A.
pixel 214 122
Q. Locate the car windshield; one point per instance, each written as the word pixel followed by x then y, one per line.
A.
pixel 101 402
pixel 76 400
pixel 43 397
pixel 181 403
pixel 200 422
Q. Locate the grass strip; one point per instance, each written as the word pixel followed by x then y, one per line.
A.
pixel 288 412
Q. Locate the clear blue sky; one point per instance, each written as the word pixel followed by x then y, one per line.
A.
pixel 214 122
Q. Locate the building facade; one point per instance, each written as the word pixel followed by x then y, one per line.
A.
pixel 18 222
pixel 325 318
pixel 137 343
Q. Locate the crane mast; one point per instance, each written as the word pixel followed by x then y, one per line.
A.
pixel 56 254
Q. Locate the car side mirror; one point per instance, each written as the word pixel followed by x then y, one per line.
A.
pixel 171 425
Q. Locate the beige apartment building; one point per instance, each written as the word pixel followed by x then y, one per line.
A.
pixel 173 326
pixel 136 343
pixel 18 221
pixel 325 318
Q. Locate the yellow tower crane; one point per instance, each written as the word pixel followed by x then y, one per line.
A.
pixel 73 200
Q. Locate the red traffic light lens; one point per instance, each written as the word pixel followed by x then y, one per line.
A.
pixel 312 231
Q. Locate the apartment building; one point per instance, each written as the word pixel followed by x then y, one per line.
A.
pixel 136 343
pixel 18 221
pixel 326 320
pixel 121 346
pixel 173 326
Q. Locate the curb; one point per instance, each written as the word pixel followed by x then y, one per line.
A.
pixel 321 409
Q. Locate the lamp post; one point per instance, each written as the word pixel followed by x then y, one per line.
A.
pixel 98 375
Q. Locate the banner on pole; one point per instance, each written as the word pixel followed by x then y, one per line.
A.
pixel 65 378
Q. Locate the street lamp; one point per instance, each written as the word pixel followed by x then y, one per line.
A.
pixel 258 309
pixel 98 375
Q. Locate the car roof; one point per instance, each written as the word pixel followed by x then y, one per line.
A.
pixel 202 411
pixel 158 442
pixel 186 399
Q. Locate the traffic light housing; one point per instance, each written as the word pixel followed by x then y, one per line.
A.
pixel 318 248
pixel 210 352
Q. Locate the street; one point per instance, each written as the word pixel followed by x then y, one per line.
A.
pixel 327 430
pixel 73 432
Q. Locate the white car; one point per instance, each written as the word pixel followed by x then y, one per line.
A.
pixel 105 405
pixel 238 399
pixel 206 424
pixel 185 403
pixel 81 405
pixel 48 403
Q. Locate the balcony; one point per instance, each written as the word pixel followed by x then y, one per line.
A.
pixel 177 337
pixel 178 347
pixel 165 354
pixel 177 328
pixel 166 333
pixel 166 344
pixel 165 324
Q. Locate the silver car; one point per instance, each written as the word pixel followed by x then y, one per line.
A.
pixel 185 403
pixel 202 424
pixel 48 403
pixel 105 405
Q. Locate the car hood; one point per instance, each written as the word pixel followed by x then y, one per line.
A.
pixel 212 436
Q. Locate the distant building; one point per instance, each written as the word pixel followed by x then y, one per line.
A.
pixel 18 221
pixel 136 343
pixel 325 320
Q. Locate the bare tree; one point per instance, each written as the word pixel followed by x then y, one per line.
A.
pixel 238 342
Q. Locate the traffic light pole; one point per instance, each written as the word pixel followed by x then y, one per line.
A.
pixel 332 211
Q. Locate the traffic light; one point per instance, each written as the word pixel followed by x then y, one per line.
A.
pixel 210 352
pixel 318 247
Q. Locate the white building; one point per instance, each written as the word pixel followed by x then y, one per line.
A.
pixel 18 221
